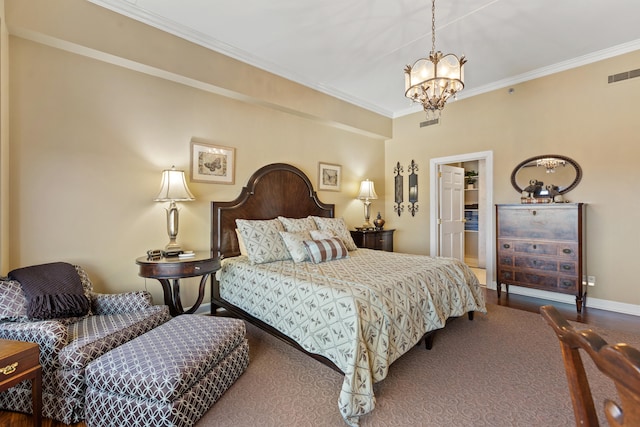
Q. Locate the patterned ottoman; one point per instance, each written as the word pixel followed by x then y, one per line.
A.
pixel 169 376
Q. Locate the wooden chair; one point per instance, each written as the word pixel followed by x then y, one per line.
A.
pixel 620 362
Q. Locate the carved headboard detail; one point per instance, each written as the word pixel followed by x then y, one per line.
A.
pixel 273 190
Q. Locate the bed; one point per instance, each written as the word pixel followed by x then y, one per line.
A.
pixel 357 313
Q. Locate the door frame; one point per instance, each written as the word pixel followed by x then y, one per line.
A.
pixel 487 179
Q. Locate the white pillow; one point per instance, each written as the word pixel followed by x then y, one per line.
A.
pixel 241 245
pixel 338 227
pixel 298 224
pixel 294 243
pixel 321 235
pixel 262 240
pixel 325 250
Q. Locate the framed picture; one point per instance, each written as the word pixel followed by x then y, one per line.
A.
pixel 212 163
pixel 329 176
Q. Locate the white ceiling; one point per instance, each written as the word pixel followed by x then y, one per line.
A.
pixel 356 50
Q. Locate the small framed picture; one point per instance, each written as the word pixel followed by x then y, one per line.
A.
pixel 329 176
pixel 212 163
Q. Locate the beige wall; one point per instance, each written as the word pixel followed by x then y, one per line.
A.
pixel 573 113
pixel 90 138
pixel 100 104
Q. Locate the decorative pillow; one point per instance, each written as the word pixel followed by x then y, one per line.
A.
pixel 320 235
pixel 295 244
pixel 87 286
pixel 325 250
pixel 262 240
pixel 13 303
pixel 339 228
pixel 298 224
pixel 241 245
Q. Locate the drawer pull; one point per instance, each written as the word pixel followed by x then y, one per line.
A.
pixel 506 246
pixel 533 213
pixel 567 251
pixel 566 267
pixel 566 284
pixel 9 369
pixel 535 246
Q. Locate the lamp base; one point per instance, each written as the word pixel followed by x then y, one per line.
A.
pixel 172 247
pixel 368 226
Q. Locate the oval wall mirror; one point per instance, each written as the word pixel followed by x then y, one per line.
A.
pixel 551 169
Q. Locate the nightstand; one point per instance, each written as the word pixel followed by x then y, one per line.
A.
pixel 20 361
pixel 169 271
pixel 381 240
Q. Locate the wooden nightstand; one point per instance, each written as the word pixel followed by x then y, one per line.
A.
pixel 381 240
pixel 19 361
pixel 169 271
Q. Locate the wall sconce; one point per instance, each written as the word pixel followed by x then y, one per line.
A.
pixel 367 192
pixel 173 188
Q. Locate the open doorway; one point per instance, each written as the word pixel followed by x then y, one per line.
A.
pixel 484 235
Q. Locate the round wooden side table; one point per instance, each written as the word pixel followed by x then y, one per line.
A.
pixel 169 271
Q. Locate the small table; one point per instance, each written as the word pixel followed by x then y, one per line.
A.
pixel 19 361
pixel 169 271
pixel 381 240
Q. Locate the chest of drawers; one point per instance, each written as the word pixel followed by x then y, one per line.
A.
pixel 381 240
pixel 542 247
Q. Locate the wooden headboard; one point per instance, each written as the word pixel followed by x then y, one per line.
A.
pixel 273 190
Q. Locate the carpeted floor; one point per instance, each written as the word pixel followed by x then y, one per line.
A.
pixel 501 369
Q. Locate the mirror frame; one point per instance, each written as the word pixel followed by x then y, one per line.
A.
pixel 572 162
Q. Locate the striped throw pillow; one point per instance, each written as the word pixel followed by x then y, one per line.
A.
pixel 325 250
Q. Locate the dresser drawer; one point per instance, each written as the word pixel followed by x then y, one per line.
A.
pixel 17 357
pixel 545 264
pixel 505 276
pixel 546 223
pixel 545 282
pixel 505 260
pixel 564 250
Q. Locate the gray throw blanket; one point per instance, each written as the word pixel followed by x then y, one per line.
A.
pixel 52 290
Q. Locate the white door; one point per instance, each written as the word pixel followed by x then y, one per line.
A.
pixel 451 212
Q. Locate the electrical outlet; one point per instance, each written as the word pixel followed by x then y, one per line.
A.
pixel 591 280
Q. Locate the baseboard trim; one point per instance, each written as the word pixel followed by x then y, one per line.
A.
pixel 600 304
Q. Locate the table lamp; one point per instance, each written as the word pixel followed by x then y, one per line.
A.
pixel 367 192
pixel 173 188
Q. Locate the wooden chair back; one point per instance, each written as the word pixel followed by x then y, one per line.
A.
pixel 620 362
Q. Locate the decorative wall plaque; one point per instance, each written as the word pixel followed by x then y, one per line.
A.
pixel 413 188
pixel 398 207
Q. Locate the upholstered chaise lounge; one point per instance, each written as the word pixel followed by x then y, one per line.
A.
pixel 68 345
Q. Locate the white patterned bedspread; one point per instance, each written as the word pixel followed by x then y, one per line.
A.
pixel 361 312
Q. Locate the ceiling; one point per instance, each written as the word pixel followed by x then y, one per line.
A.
pixel 356 50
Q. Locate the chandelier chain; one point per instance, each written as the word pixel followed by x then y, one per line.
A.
pixel 433 25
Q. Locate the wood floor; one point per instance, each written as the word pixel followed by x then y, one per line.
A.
pixel 590 316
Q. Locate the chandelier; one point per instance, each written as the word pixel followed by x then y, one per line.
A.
pixel 432 81
pixel 550 163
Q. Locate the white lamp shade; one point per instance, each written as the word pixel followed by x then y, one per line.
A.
pixel 367 190
pixel 173 187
